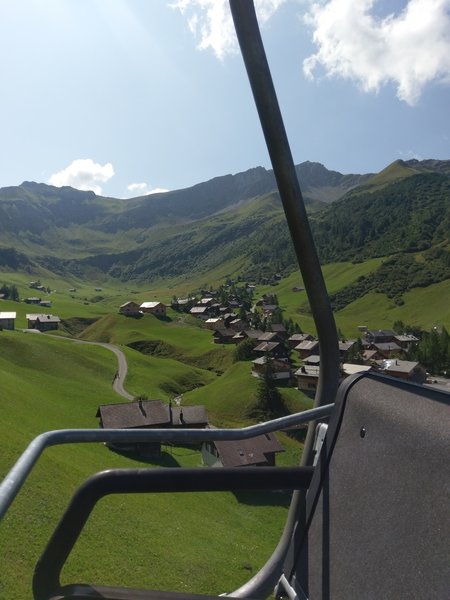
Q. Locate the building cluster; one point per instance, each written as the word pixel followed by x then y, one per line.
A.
pixel 231 323
pixel 154 414
pixel 133 309
pixel 41 322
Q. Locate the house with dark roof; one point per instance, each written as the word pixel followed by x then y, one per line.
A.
pixel 281 369
pixel 130 308
pixel 387 349
pixel 246 334
pixel 298 338
pixel 224 336
pixel 379 336
pixel 148 414
pixel 306 348
pixel 43 322
pixel 202 312
pixel 274 349
pixel 255 452
pixel 280 329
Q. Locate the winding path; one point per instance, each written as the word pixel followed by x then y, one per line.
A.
pixel 122 365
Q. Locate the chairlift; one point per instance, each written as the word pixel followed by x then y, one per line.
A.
pixel 369 512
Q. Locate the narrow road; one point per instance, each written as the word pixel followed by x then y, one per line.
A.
pixel 122 365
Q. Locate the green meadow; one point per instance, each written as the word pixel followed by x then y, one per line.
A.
pixel 167 541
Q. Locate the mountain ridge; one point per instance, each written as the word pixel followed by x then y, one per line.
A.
pixel 229 218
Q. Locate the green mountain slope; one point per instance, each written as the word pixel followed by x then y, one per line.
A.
pixel 230 221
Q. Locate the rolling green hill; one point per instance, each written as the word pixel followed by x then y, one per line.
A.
pixel 50 383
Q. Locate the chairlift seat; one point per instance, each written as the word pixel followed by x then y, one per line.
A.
pixel 377 511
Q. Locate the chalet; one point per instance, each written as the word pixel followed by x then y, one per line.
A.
pixel 43 322
pixel 236 324
pixel 228 317
pixel 130 308
pixel 370 356
pixel 214 323
pixel 254 452
pixel 183 304
pixel 298 338
pixel 7 320
pixel 379 336
pixel 279 329
pixel 344 348
pixel 404 369
pixel 387 349
pixel 234 304
pixel 206 301
pixel 245 334
pixel 154 308
pixel 32 300
pixel 270 336
pixel 269 309
pixel 148 414
pixel 202 312
pixel 274 349
pixel 307 378
pixel 224 336
pixel 406 341
pixel 281 369
pixel 46 303
pixel 306 348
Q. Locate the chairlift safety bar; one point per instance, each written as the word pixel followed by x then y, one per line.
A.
pixel 15 479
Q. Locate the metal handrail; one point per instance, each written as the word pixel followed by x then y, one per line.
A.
pixel 14 480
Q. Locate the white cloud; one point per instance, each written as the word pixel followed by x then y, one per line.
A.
pixel 83 174
pixel 143 189
pixel 211 22
pixel 409 50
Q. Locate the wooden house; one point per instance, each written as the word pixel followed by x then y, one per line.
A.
pixel 281 369
pixel 148 414
pixel 254 452
pixel 8 320
pixel 43 322
pixel 154 308
pixel 130 308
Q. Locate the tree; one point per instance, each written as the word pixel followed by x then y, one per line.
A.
pixel 269 401
pixel 244 350
pixel 355 354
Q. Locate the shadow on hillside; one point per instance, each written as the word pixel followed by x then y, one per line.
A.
pixel 164 318
pixel 264 498
pixel 165 459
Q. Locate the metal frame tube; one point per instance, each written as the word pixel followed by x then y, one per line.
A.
pixel 15 479
pixel 247 30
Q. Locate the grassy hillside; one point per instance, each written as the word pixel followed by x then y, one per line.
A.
pixel 214 539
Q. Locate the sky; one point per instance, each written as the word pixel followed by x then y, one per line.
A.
pixel 129 97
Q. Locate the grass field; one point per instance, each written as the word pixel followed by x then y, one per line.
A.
pixel 163 540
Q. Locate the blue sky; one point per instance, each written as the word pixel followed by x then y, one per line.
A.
pixel 129 96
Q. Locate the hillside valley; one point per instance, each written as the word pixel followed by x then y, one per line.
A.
pixel 234 225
